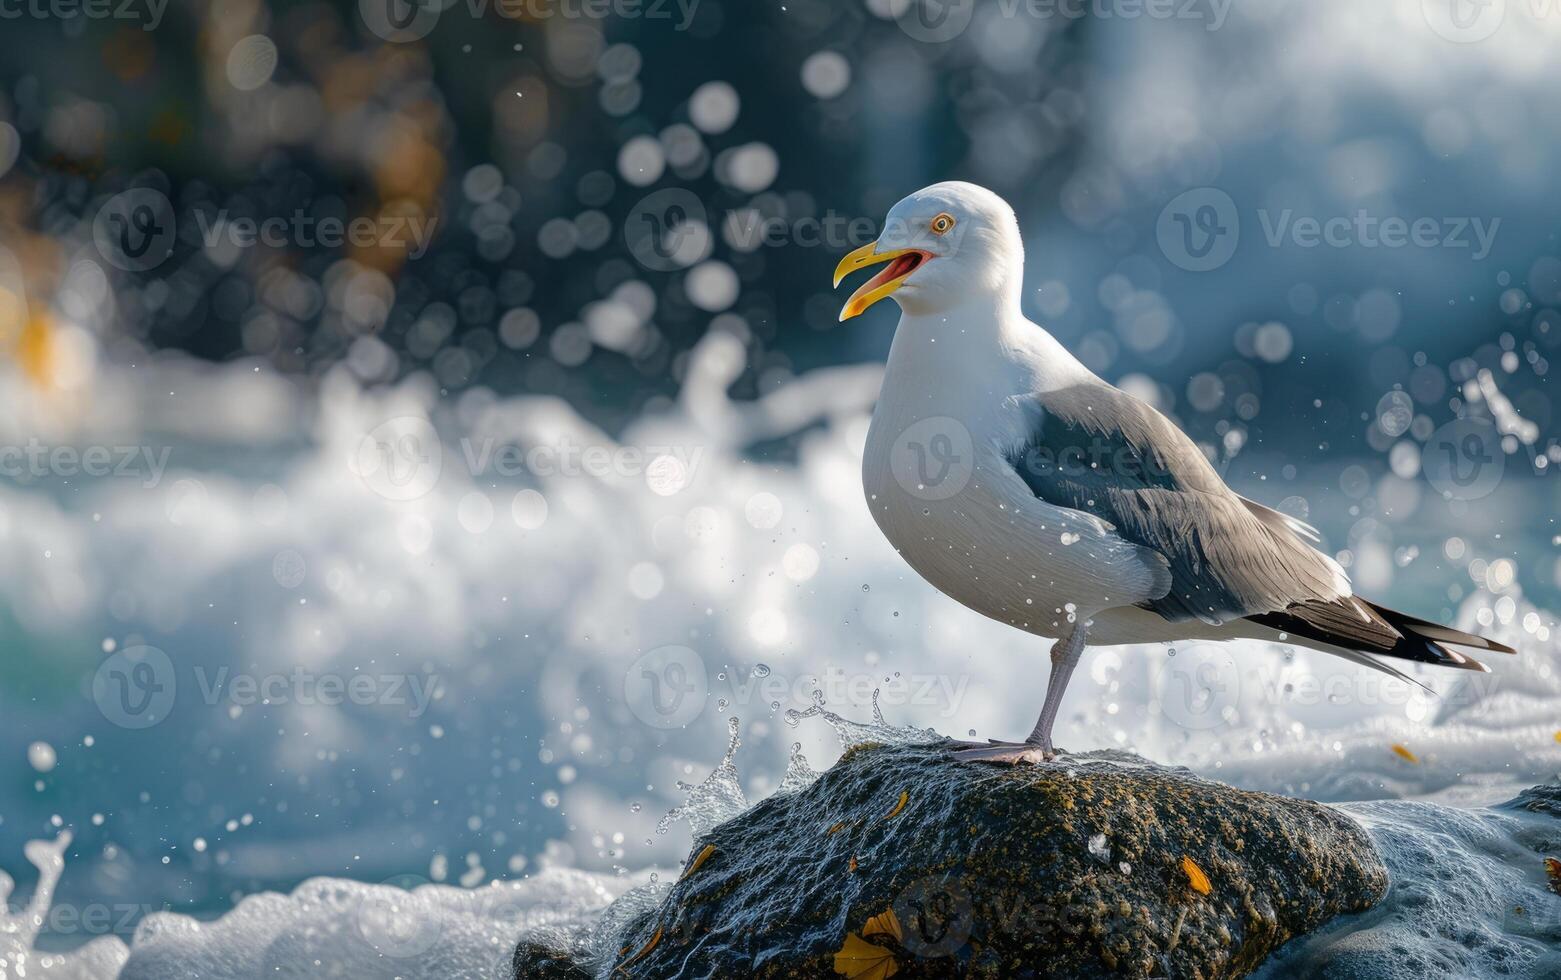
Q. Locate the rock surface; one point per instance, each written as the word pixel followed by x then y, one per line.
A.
pixel 902 861
pixel 538 961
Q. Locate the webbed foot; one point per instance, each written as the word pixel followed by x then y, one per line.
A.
pixel 1004 753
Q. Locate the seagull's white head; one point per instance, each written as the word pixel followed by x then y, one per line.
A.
pixel 945 244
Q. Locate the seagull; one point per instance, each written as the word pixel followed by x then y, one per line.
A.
pixel 1020 484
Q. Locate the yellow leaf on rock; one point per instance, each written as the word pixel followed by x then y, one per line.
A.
pixel 1195 876
pixel 885 923
pixel 704 856
pixel 1553 872
pixel 1405 754
pixel 905 797
pixel 859 959
pixel 644 952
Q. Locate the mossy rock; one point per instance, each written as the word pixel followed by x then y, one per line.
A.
pixel 537 961
pixel 903 861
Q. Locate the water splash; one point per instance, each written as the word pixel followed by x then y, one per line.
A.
pixel 19 930
pixel 716 800
pixel 720 797
pixel 854 733
pixel 799 775
pixel 598 948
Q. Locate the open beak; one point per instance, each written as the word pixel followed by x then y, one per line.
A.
pixel 902 262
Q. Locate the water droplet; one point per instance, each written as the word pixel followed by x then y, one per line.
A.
pixel 761 670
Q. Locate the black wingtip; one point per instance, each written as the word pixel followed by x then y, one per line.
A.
pixel 1436 633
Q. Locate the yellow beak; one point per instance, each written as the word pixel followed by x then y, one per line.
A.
pixel 903 262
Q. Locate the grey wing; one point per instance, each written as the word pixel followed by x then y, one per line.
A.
pixel 1099 450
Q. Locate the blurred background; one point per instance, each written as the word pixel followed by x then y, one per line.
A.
pixel 422 428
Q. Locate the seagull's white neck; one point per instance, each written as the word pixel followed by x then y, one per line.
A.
pixel 984 340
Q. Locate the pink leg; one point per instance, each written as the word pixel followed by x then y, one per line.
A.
pixel 1038 747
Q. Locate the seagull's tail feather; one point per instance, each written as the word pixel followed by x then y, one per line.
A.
pixel 1367 660
pixel 1434 633
pixel 1366 628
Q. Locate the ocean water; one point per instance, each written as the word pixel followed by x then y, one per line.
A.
pixel 345 690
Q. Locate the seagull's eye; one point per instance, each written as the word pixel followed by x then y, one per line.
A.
pixel 942 224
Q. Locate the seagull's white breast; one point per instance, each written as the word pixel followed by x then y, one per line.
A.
pixel 943 493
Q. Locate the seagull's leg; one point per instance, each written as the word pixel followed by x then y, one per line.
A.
pixel 1038 747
